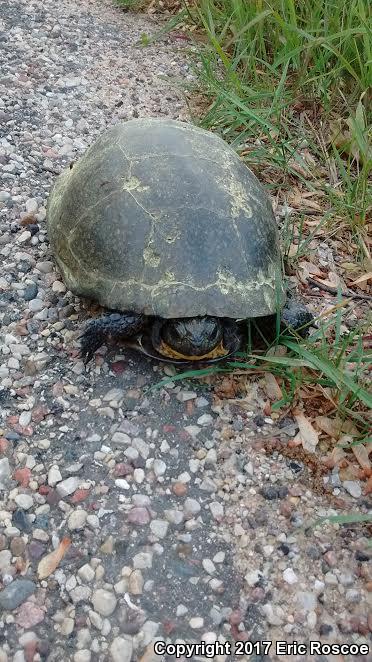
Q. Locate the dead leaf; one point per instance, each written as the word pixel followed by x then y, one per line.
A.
pixel 331 426
pixel 335 459
pixel 51 561
pixel 362 279
pixel 308 434
pixel 277 350
pixel 368 487
pixel 272 387
pixel 296 441
pixel 361 455
pixel 350 472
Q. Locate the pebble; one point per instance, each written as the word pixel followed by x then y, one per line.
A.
pixel 196 623
pixel 184 396
pixel 54 475
pixel 353 487
pixel 24 501
pixel 159 527
pixel 4 472
pixel 289 576
pixel 191 507
pixel 205 419
pixel 77 520
pixel 121 649
pixel 86 573
pixel 139 515
pixel 68 486
pixel 159 468
pixel 15 593
pixel 209 566
pixel 104 602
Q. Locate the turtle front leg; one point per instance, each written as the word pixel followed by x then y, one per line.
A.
pixel 115 326
pixel 297 317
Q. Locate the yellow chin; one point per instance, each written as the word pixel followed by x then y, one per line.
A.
pixel 173 354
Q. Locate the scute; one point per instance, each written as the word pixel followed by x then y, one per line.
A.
pixel 162 217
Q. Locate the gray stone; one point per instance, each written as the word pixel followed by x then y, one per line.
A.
pixel 4 472
pixel 68 486
pixel 353 487
pixel 159 527
pixel 121 649
pixel 104 602
pixel 15 593
pixel 77 520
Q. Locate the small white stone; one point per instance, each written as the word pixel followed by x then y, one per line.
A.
pixel 159 467
pixel 54 475
pixel 290 576
pixel 121 649
pixel 104 602
pixel 122 484
pixel 80 594
pixel 86 573
pixel 181 610
pixel 121 438
pixel 82 656
pixel 191 507
pixel 31 206
pixel 196 623
pixel 205 419
pixel 353 487
pixel 219 557
pixel 4 471
pixel 209 566
pixel 252 577
pixel 216 509
pixel 24 501
pixel 71 583
pixel 96 620
pixel 114 394
pixel 67 626
pixel 139 475
pixel 184 396
pixel 5 559
pixel 24 418
pixel 68 486
pixel 142 560
pixel 159 527
pixel 77 520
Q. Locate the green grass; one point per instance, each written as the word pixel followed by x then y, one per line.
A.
pixel 286 78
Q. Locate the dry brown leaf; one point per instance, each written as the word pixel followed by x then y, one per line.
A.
pixel 308 434
pixel 310 267
pixel 51 561
pixel 349 428
pixel 272 387
pixel 277 350
pixel 368 487
pixel 335 458
pixel 362 279
pixel 361 455
pixel 350 472
pixel 331 426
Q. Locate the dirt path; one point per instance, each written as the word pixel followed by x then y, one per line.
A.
pixel 182 524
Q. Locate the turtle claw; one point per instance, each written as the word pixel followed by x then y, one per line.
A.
pixel 90 340
pixel 297 317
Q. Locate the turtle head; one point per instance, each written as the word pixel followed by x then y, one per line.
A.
pixel 192 338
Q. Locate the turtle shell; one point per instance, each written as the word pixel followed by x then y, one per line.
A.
pixel 163 218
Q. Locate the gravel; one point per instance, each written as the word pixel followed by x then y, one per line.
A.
pixel 170 516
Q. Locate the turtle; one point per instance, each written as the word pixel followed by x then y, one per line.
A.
pixel 162 224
